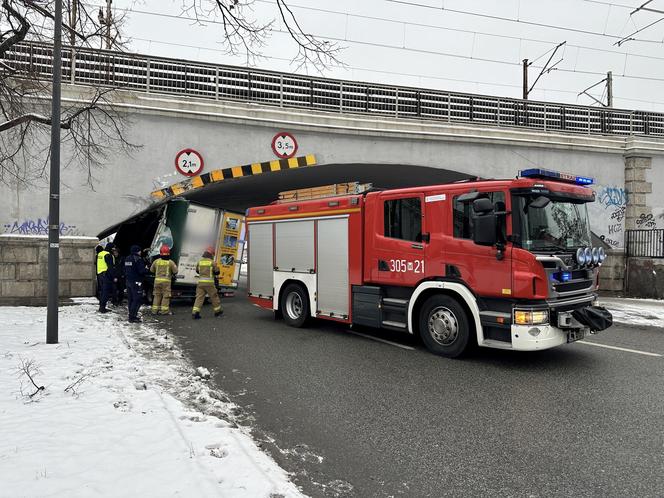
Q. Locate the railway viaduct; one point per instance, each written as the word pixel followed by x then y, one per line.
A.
pixel 386 135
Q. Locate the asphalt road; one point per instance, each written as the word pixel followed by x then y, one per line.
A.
pixel 350 416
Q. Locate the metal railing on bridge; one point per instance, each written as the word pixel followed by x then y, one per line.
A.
pixel 144 73
pixel 644 243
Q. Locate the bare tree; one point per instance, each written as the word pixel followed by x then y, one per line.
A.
pixel 93 127
pixel 244 35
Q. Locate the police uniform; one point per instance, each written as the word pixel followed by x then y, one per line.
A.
pixel 163 269
pixel 206 269
pixel 105 264
pixel 134 270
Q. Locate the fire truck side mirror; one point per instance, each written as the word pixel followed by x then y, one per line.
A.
pixel 485 223
pixel 483 206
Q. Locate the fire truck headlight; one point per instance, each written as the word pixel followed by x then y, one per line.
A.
pixel 522 317
pixel 580 256
pixel 589 256
pixel 602 254
pixel 595 253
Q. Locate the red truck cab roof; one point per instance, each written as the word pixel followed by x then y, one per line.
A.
pixel 350 202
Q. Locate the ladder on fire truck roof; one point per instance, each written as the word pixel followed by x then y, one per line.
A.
pixel 334 190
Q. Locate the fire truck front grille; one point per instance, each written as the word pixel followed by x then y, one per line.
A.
pixel 573 286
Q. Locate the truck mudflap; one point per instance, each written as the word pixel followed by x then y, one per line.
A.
pixel 596 318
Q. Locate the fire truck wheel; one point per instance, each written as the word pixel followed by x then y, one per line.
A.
pixel 295 305
pixel 444 326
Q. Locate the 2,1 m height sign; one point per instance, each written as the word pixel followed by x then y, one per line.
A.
pixel 189 162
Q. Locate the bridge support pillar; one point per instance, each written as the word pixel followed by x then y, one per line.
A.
pixel 637 188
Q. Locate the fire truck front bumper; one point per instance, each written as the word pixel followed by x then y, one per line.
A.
pixel 544 336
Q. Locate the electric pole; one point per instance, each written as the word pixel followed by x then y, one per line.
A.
pixel 608 81
pixel 54 187
pixel 106 20
pixel 73 17
pixel 109 21
pixel 548 67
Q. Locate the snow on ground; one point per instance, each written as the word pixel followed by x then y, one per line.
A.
pixel 122 413
pixel 649 312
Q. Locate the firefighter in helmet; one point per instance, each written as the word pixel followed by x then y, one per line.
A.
pixel 207 270
pixel 163 269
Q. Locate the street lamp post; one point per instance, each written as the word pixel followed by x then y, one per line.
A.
pixel 54 190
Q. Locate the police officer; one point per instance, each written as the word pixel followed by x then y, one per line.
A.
pixel 117 295
pixel 105 264
pixel 207 269
pixel 134 271
pixel 98 249
pixel 163 269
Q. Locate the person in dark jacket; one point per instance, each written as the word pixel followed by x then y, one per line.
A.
pixel 134 271
pixel 105 266
pixel 118 278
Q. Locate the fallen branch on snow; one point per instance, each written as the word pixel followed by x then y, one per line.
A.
pixel 29 369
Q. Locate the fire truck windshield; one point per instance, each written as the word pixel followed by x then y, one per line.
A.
pixel 561 225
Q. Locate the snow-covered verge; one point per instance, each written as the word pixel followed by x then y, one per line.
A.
pixel 649 312
pixel 121 413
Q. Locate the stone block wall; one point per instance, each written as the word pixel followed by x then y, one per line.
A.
pixel 24 269
pixel 637 187
pixel 612 274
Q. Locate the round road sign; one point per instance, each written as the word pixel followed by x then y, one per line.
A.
pixel 189 162
pixel 284 145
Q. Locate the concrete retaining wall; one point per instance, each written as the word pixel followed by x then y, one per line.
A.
pixel 23 269
pixel 612 274
pixel 645 278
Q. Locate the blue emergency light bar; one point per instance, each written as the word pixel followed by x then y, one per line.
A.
pixel 562 276
pixel 547 174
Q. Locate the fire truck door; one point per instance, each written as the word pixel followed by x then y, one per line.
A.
pixel 478 266
pixel 397 248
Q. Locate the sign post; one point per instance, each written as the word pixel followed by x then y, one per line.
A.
pixel 54 187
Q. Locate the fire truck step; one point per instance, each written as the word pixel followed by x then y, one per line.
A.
pixel 394 325
pixel 393 301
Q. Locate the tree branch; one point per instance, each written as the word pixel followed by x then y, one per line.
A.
pixel 18 34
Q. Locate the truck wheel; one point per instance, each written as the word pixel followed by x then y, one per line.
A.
pixel 444 326
pixel 295 305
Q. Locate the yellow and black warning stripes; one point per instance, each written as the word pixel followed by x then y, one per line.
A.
pixel 219 175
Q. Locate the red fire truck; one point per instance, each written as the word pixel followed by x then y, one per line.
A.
pixel 501 263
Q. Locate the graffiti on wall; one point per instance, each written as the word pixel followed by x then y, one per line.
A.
pixel 611 197
pixel 37 226
pixel 607 214
pixel 646 222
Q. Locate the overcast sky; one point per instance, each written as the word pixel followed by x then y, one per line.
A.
pixel 473 46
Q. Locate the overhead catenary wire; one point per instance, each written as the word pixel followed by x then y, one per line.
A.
pixel 405 23
pixel 434 52
pixel 396 73
pixel 472 57
pixel 519 21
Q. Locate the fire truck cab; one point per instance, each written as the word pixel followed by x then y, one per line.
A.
pixel 501 263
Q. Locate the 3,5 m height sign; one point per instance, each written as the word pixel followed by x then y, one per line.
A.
pixel 284 145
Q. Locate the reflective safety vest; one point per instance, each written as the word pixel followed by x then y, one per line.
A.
pixel 101 262
pixel 163 270
pixel 206 271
